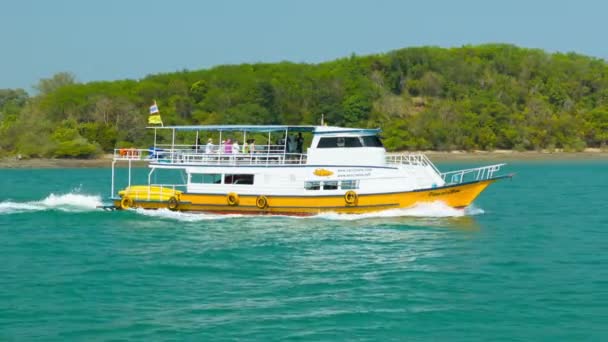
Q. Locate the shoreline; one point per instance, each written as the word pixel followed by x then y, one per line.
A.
pixel 510 155
pixel 434 156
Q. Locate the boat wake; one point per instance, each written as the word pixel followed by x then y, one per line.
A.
pixel 70 202
pixel 423 210
pixel 184 217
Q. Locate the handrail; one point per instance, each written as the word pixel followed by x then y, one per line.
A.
pixel 473 174
pixel 268 156
pixel 131 153
pixel 224 148
pixel 418 159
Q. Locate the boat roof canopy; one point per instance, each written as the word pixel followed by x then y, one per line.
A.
pixel 272 128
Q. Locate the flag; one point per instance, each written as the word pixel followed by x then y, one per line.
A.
pixel 154 118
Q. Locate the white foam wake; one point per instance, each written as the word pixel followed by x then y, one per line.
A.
pixel 431 210
pixel 185 217
pixel 71 202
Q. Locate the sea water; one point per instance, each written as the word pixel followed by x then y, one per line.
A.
pixel 528 261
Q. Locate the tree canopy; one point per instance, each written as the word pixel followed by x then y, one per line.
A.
pixel 487 97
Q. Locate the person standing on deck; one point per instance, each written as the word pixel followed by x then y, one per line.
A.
pixel 228 146
pixel 197 145
pixel 209 146
pixel 291 143
pixel 280 147
pixel 299 143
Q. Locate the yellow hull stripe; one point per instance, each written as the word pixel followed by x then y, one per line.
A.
pixel 457 196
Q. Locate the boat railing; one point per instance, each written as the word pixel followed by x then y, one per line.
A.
pixel 470 175
pixel 243 158
pixel 131 154
pixel 262 155
pixel 417 159
pixel 228 149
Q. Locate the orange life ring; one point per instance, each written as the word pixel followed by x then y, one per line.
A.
pixel 232 199
pixel 173 203
pixel 261 202
pixel 126 203
pixel 351 198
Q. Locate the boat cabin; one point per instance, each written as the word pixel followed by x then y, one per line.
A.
pixel 346 146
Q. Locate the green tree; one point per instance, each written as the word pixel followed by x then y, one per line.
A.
pixel 471 97
pixel 48 85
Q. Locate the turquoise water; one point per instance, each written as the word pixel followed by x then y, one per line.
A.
pixel 528 262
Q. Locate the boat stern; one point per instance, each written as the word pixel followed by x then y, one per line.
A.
pixel 147 196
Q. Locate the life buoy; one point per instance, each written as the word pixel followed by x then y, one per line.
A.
pixel 126 202
pixel 232 199
pixel 350 197
pixel 173 203
pixel 261 202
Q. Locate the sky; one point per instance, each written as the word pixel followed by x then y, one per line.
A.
pixel 118 39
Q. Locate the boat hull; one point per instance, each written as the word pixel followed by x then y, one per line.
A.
pixel 457 196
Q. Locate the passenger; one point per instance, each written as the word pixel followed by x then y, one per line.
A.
pixel 280 145
pixel 235 147
pixel 245 148
pixel 291 144
pixel 228 146
pixel 197 145
pixel 251 146
pixel 299 143
pixel 209 146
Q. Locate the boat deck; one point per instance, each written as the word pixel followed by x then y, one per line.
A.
pixel 272 155
pixel 275 155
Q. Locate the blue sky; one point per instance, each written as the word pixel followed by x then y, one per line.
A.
pixel 117 39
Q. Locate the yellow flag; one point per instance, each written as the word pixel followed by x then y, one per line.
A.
pixel 154 119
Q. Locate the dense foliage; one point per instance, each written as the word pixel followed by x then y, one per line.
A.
pixel 473 97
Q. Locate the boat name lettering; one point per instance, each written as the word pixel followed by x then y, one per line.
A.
pixel 354 172
pixel 446 192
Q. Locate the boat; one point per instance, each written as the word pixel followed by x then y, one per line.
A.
pixel 343 170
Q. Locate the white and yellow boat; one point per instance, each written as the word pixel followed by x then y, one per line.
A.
pixel 344 170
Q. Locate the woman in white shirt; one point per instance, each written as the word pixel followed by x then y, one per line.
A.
pixel 209 147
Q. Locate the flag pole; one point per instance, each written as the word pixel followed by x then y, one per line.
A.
pixel 161 118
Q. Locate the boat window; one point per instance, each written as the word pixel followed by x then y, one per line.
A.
pixel 334 142
pixel 372 141
pixel 206 178
pixel 238 179
pixel 349 184
pixel 330 185
pixel 312 185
